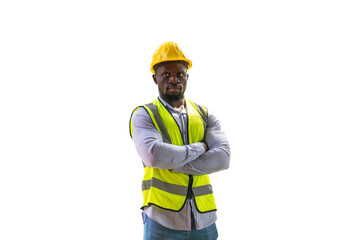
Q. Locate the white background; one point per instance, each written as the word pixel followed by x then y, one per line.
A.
pixel 282 76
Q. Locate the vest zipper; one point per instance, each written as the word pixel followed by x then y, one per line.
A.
pixel 190 193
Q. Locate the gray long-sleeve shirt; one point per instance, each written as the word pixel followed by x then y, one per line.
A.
pixel 189 159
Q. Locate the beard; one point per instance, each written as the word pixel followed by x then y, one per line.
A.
pixel 173 98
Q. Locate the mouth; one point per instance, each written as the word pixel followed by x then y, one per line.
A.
pixel 174 88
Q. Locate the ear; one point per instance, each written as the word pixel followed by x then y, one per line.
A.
pixel 155 81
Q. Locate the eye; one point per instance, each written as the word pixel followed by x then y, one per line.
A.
pixel 166 74
pixel 180 74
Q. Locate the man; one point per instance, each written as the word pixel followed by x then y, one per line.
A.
pixel 180 144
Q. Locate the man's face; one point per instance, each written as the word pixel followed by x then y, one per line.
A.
pixel 171 79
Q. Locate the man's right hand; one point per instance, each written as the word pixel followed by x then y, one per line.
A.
pixel 205 146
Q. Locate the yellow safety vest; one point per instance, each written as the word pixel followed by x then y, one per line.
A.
pixel 168 189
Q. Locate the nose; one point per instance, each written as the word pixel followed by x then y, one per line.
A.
pixel 173 79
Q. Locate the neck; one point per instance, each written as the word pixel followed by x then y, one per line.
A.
pixel 177 104
pixel 174 102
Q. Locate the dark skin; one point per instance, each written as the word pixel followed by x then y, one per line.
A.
pixel 171 79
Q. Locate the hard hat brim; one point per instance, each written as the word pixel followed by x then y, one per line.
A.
pixel 171 60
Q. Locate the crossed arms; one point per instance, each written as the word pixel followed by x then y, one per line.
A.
pixel 189 159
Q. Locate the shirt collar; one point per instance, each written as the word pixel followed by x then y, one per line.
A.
pixel 166 104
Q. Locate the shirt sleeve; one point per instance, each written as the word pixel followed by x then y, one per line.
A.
pixel 153 151
pixel 217 158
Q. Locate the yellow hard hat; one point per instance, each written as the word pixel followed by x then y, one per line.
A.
pixel 168 51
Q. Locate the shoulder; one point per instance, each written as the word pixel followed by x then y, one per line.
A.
pixel 212 120
pixel 140 115
pixel 139 111
pixel 140 119
pixel 201 108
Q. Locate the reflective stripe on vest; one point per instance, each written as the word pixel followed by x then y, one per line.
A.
pixel 176 189
pixel 165 188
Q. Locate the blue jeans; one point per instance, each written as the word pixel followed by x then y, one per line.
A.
pixel 155 231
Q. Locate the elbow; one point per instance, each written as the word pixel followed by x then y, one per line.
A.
pixel 227 152
pixel 151 161
pixel 226 163
pixel 226 159
pixel 149 156
pixel 223 155
pixel 222 162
